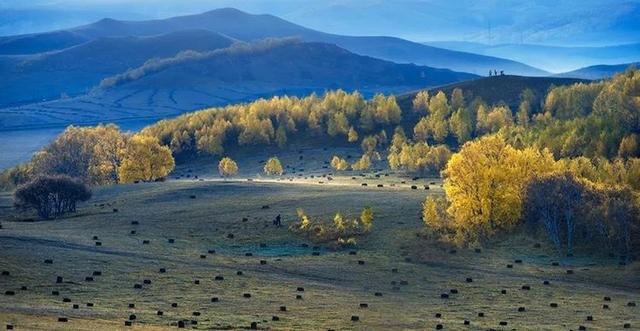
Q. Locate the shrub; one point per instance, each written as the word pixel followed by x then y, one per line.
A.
pixel 227 167
pixel 52 196
pixel 273 167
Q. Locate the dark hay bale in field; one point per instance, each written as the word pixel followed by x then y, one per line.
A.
pixel 394 270
pixel 162 270
pixel 439 327
pixel 631 304
pixel 132 232
pixel 211 251
pixel 95 238
pixel 298 297
pixel 607 298
pixel 66 300
pixel 413 187
pixel 503 291
pixel 248 254
pixel 355 318
pixel 246 295
pixel 88 279
pixel 275 318
pixel 526 287
pixel 569 272
pixel 627 326
pixel 263 262
pixel 135 223
pixel 89 304
pixel 203 256
pixel 197 282
pixel 453 251
pixel 453 291
pixel 55 292
pixel 265 207
pixel 10 293
pixel 380 185
pixel 518 261
pixel 553 305
pixel 171 241
pixel 469 280
pixel 521 309
pixel 466 322
pixel 555 264
pixel 128 323
pixel 582 327
pixel 438 315
pixel 147 281
pixel 360 262
pixel 404 282
pixel 23 288
pixel 145 242
pixel 58 279
pixel 283 308
pixel 9 327
pixel 432 183
pixel 76 306
pixel 509 266
pixel 353 253
pixel 315 253
pixel 300 289
pixel 5 273
pixel 192 197
pixel 589 318
pixel 478 250
pixel 537 245
pixel 97 273
pixel 230 236
pixel 480 314
pixel 444 296
pixel 115 210
pixel 131 305
pixel 426 187
pixel 503 323
pixel 181 324
pixel 378 294
pixel 98 243
pixel 48 261
pixel 239 273
pixel 215 299
pixel 137 286
pixel 364 184
pixel 546 282
pixel 174 305
pixel 63 319
pixel 364 305
pixel 605 306
pixel 196 313
pixel 219 277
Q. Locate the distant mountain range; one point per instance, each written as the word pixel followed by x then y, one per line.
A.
pixel 242 72
pixel 243 26
pixel 599 71
pixel 552 58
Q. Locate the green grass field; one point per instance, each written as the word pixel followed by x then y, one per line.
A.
pixel 408 272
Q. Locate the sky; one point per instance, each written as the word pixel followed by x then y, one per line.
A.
pixel 548 22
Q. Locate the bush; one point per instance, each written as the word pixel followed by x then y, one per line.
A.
pixel 52 196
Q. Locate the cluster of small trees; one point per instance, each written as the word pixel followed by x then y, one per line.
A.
pixel 276 121
pixel 98 155
pixel 418 157
pixel 227 167
pixel 51 196
pixel 492 187
pixel 342 231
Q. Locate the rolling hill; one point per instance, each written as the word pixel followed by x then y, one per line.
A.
pixel 598 71
pixel 193 80
pixel 243 26
pixel 74 70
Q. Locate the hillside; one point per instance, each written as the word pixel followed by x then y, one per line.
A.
pixel 598 71
pixel 247 27
pixel 497 88
pixel 244 72
pixel 76 69
pixel 551 58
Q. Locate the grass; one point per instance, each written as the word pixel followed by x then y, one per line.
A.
pixel 334 283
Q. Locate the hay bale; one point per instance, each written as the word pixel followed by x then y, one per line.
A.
pixel 453 291
pixel 203 256
pixel 569 272
pixel 197 282
pixel 75 306
pixel 444 296
pixel 521 309
pixel 55 292
pixel 553 305
pixel 10 293
pixel 88 279
pixel 518 261
pixel 174 305
pixel 132 232
pixel 219 277
pixel 503 291
pixel 378 294
pixel 360 262
pixel 439 327
pixel 215 299
pixel 438 315
pixel 509 266
pixel 413 187
pixel 66 300
pixel 211 251
pixel 300 289
pixel 63 319
pixel 196 313
pixel 192 196
pixel 48 261
pixel 239 273
pixel 135 223
pixel 181 324
pixel 480 314
pixel 503 323
pixel 631 304
pixel 230 236
pixel 526 287
pixel 589 318
pixel 97 273
pixel 23 288
pixel 246 295
pixel 146 281
pixel 626 326
pixel 162 270
pixel 98 243
pixel 5 273
pixel 137 286
pixel 89 304
pixel 127 323
pixel 607 298
pixel 275 318
pixel 298 297
pixel 546 282
pixel 469 280
pixel 171 241
pixel 605 306
pixel 145 242
pixel 263 262
pixel 355 318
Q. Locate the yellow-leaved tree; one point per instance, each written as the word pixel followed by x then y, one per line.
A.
pixel 339 163
pixel 227 167
pixel 366 218
pixel 273 167
pixel 145 159
pixel 484 185
pixel 363 163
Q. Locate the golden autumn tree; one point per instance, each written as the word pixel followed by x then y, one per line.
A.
pixel 145 159
pixel 352 136
pixel 484 184
pixel 227 167
pixel 273 167
pixel 366 218
pixel 339 163
pixel 363 163
pixel 421 102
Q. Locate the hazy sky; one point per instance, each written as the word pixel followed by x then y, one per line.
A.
pixel 558 22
